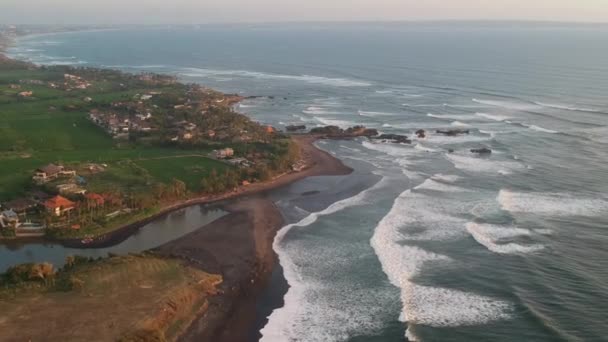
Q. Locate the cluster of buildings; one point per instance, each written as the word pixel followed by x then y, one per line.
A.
pixel 39 204
pixel 120 126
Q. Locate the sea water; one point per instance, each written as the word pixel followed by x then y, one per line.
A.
pixel 418 241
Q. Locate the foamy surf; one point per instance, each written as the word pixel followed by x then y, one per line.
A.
pixel 293 320
pixel 328 81
pixel 490 235
pixel 553 204
pixel 482 165
pixel 567 107
pixel 426 305
pixel 493 117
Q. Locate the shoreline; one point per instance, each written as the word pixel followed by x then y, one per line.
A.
pixel 239 246
pixel 318 163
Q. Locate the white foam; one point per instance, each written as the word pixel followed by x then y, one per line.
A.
pixel 460 124
pixel 442 307
pixel 336 82
pixel 519 106
pixel 426 305
pixel 334 122
pixel 451 116
pixel 316 110
pixel 493 117
pixel 433 184
pixel 303 314
pixel 488 236
pixel 567 107
pixel 425 148
pixel 375 114
pixel 482 165
pixel 552 204
pixel 540 129
pixel 445 178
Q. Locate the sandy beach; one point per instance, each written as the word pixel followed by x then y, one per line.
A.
pixel 239 246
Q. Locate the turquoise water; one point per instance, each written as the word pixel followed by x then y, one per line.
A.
pixel 420 242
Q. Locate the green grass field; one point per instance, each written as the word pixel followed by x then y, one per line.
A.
pixel 42 129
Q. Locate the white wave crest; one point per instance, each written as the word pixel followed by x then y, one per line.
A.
pixel 519 106
pixel 374 114
pixel 488 235
pixel 493 117
pixel 328 81
pixel 451 116
pixel 567 107
pixel 540 129
pixel 293 320
pixel 482 165
pixel 553 204
pixel 426 305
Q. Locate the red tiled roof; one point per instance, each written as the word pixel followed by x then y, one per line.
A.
pixel 58 202
pixel 97 198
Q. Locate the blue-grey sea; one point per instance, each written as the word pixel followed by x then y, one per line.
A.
pixel 417 242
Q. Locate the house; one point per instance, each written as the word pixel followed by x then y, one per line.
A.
pixel 59 205
pixel 47 173
pixel 70 189
pixel 21 205
pixel 94 200
pixel 9 219
pixel 224 153
pixel 50 172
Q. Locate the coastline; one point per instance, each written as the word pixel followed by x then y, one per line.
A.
pixel 318 162
pixel 240 247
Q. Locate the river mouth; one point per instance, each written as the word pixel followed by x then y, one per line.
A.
pixel 151 235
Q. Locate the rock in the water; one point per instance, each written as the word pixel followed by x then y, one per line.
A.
pixel 421 133
pixel 294 128
pixel 481 150
pixel 453 132
pixel 396 138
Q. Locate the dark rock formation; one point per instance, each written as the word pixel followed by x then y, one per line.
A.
pixel 421 133
pixel 453 132
pixel 481 150
pixel 294 128
pixel 396 138
pixel 351 132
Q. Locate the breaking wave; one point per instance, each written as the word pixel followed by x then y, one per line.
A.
pixel 554 204
pixel 328 81
pixel 426 305
pixel 489 236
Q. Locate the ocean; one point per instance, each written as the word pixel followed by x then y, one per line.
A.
pixel 419 242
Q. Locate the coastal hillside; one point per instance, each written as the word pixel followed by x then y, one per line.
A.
pixel 132 298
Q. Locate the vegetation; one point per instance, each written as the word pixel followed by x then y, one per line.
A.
pixel 153 136
pixel 131 298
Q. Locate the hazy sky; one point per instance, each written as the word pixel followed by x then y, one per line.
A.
pixel 208 11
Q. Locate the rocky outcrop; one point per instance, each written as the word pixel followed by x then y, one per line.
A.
pixel 421 133
pixel 481 150
pixel 336 132
pixel 295 128
pixel 453 132
pixel 395 138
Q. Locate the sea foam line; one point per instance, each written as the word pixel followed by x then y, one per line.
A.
pixel 282 323
pixel 426 305
pixel 337 82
